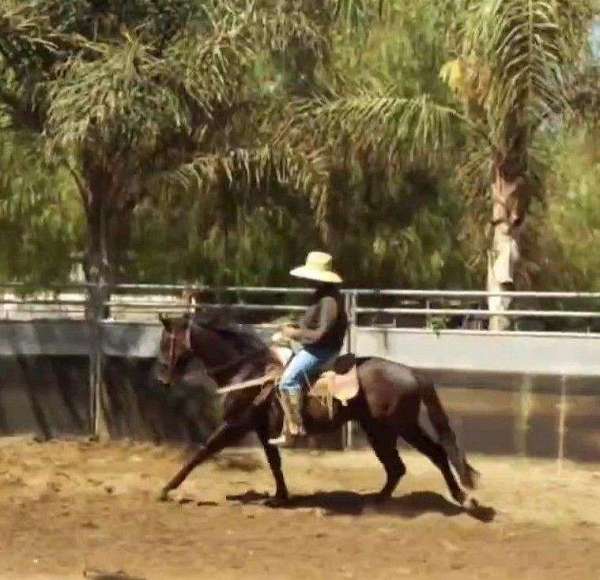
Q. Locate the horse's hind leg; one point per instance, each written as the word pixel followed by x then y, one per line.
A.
pixel 421 441
pixel 384 443
pixel 225 435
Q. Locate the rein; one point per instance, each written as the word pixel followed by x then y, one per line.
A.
pixel 246 384
pixel 212 371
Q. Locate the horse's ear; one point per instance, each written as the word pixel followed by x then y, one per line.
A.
pixel 166 322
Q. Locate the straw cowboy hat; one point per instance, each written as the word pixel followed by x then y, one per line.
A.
pixel 318 267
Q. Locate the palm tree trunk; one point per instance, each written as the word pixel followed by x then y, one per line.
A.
pixel 98 273
pixel 510 199
pixel 119 227
pixel 108 237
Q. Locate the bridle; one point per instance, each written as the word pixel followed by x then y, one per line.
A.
pixel 171 363
pixel 212 371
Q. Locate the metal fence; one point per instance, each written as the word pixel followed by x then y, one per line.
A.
pixel 554 341
pixel 137 302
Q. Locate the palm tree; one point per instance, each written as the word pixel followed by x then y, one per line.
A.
pixel 132 101
pixel 514 61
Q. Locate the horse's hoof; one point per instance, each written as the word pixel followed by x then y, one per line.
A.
pixel 382 497
pixel 164 495
pixel 277 501
pixel 461 498
pixel 471 504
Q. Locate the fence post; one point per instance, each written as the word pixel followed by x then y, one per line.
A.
pixel 99 423
pixel 350 305
pixel 525 408
pixel 563 407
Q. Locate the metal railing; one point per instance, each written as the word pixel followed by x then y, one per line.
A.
pixel 129 302
pixel 399 310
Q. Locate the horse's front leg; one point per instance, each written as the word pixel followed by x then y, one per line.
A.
pixel 227 434
pixel 274 459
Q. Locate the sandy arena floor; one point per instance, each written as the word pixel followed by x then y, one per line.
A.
pixel 70 506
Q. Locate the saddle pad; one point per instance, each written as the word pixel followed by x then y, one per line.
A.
pixel 345 384
pixel 341 383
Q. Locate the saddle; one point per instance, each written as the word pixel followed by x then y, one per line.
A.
pixel 338 380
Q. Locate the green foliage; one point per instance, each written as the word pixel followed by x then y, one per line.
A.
pixel 221 140
pixel 569 228
pixel 40 221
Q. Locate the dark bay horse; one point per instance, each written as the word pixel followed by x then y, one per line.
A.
pixel 387 406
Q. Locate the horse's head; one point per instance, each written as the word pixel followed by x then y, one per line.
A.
pixel 222 346
pixel 175 348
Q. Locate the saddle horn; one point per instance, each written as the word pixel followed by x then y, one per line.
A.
pixel 164 321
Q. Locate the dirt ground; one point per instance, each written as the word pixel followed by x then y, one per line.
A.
pixel 66 507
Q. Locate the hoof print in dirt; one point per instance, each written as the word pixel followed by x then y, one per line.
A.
pixel 199 503
pixel 250 496
pixel 101 575
pixel 185 500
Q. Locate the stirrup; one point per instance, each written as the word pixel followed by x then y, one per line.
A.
pixel 284 440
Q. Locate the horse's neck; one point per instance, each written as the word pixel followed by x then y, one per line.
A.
pixel 224 362
pixel 210 347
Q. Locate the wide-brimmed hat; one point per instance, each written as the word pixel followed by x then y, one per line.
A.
pixel 318 267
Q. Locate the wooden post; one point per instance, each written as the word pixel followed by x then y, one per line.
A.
pixel 562 421
pixel 525 406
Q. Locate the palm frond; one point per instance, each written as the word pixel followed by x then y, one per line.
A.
pixel 23 29
pixel 302 171
pixel 281 28
pixel 119 94
pixel 357 15
pixel 529 48
pixel 382 122
pixel 210 62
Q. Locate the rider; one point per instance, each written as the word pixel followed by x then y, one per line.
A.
pixel 321 333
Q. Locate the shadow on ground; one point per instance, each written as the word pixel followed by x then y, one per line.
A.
pixel 408 506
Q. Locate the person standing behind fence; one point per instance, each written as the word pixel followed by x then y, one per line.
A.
pixel 321 332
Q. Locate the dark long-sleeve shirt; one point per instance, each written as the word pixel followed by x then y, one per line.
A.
pixel 325 322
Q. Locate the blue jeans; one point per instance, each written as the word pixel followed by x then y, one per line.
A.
pixel 305 364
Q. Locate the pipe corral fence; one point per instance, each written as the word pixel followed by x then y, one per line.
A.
pixel 531 390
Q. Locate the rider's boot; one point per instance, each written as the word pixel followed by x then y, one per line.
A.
pixel 296 424
pixel 293 426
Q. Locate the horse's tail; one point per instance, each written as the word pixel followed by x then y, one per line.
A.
pixel 439 419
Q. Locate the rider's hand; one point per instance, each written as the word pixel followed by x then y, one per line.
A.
pixel 289 331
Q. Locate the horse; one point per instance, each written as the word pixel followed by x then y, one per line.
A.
pixel 386 407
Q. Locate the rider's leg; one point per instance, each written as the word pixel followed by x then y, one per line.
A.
pixel 303 366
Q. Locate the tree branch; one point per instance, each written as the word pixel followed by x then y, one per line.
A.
pixel 84 191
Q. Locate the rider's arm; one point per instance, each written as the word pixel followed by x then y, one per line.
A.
pixel 328 312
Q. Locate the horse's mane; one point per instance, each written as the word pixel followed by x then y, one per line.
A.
pixel 243 336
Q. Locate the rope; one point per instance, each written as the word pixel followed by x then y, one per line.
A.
pixel 246 384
